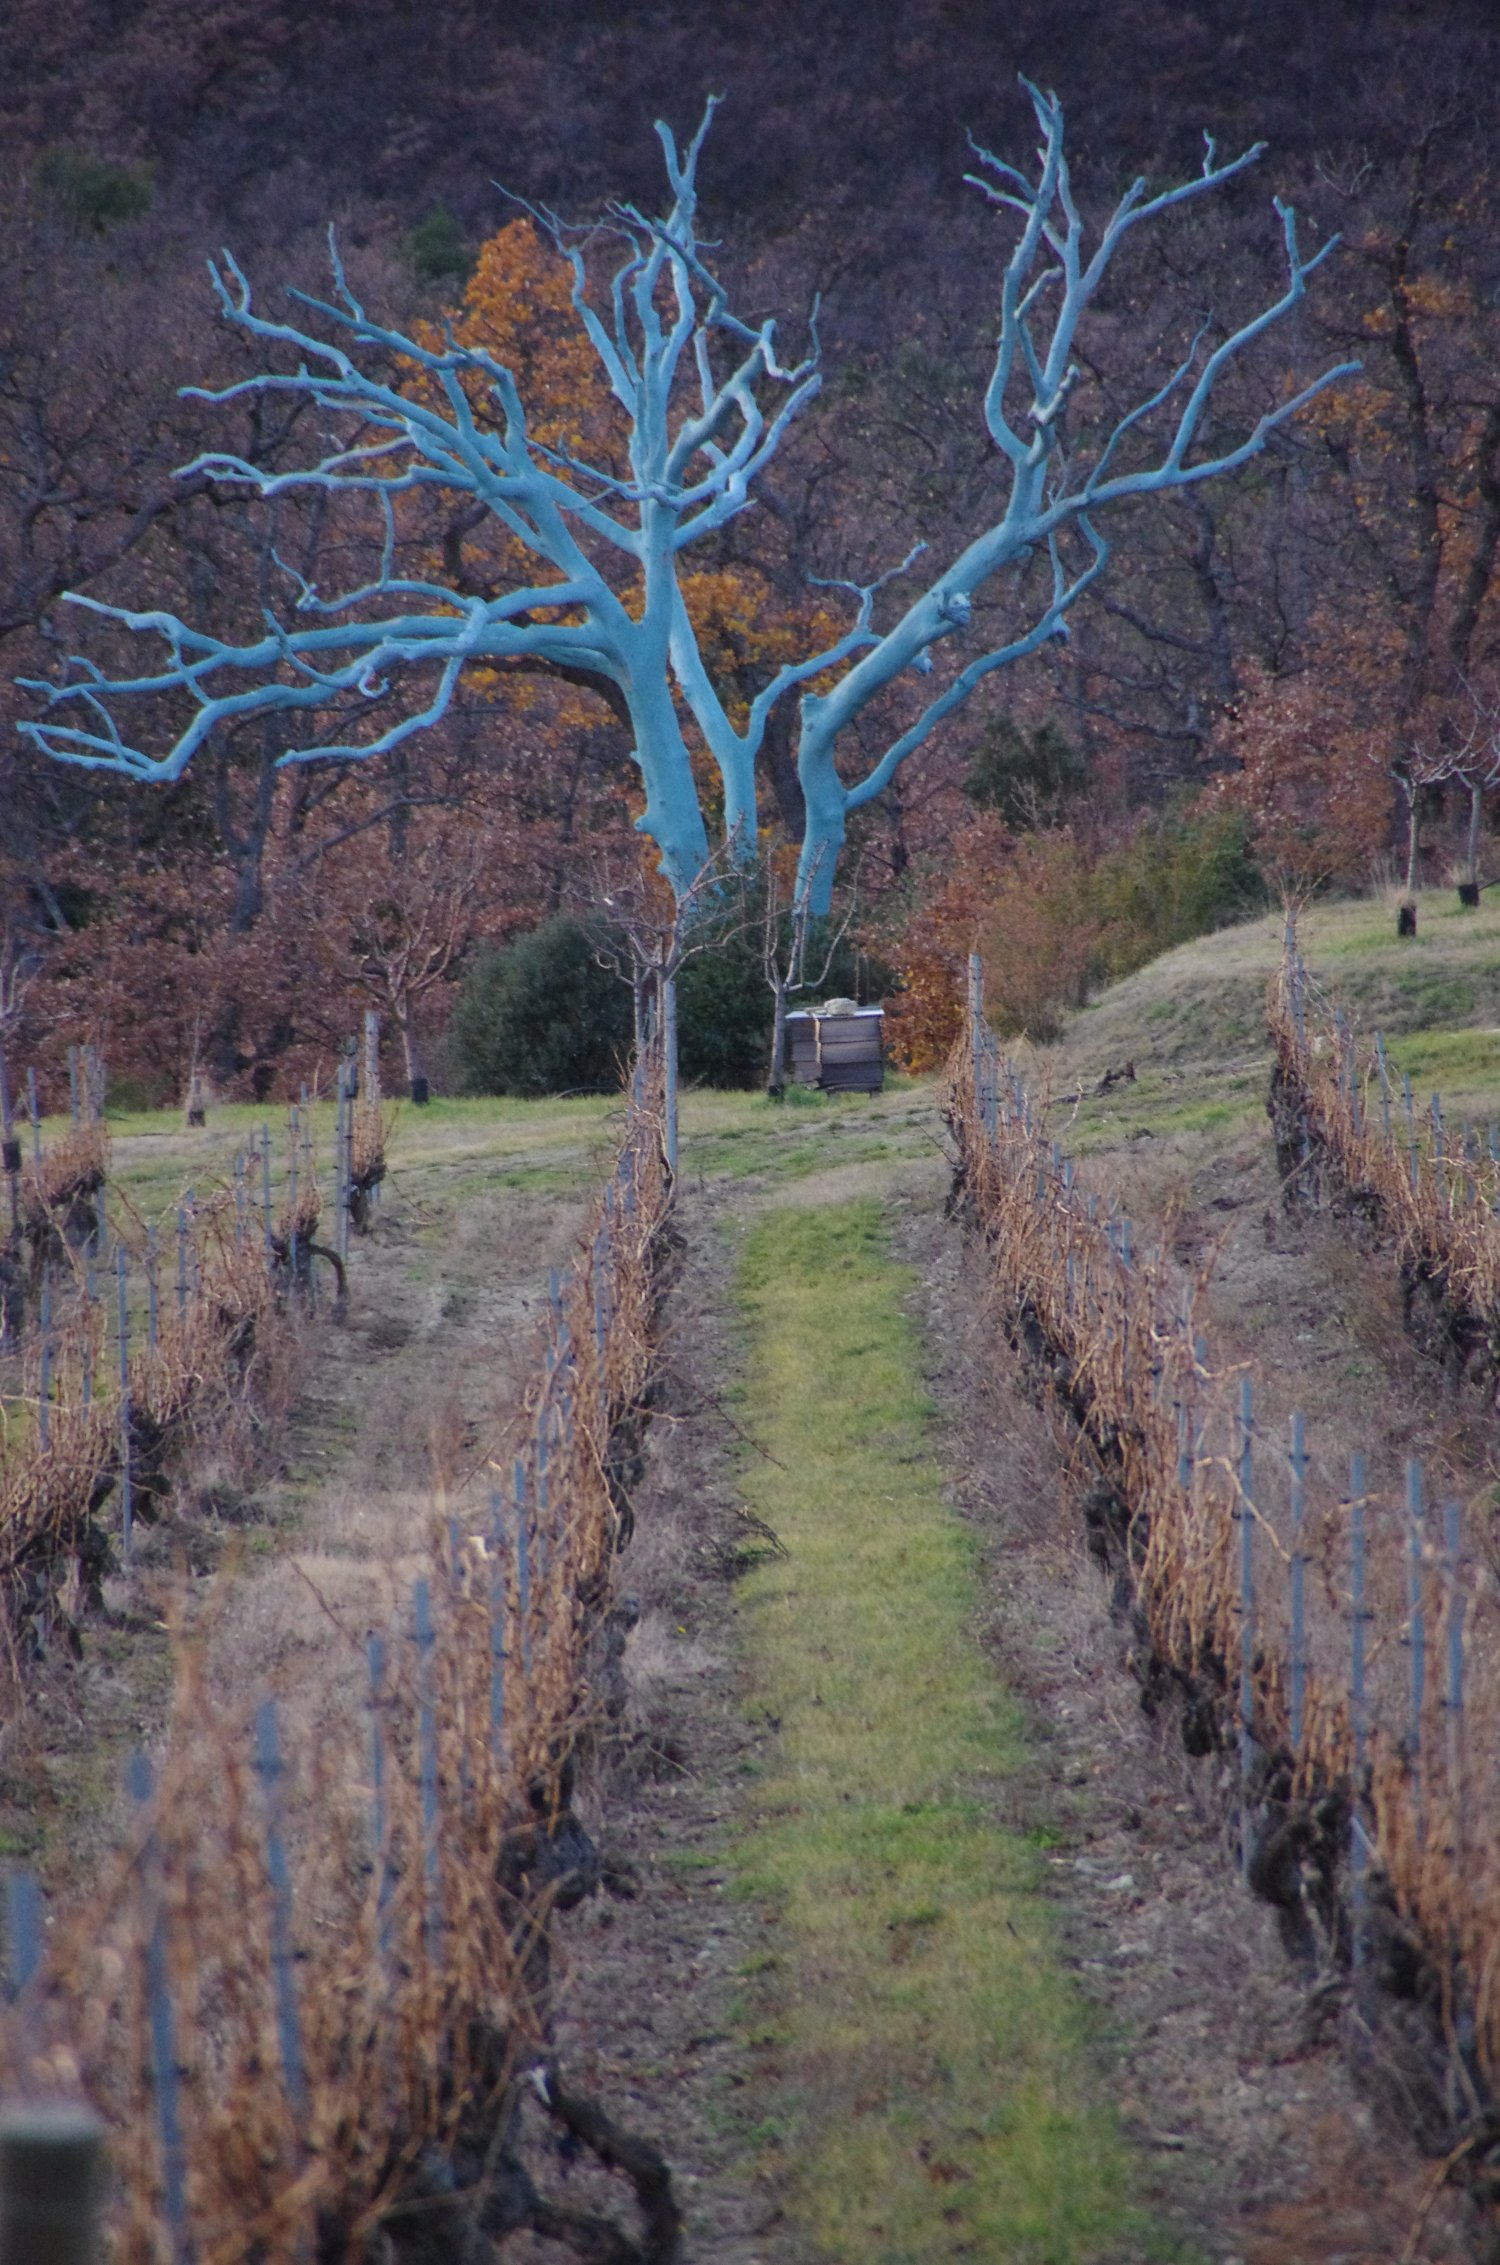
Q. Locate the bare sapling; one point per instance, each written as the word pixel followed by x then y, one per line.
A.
pixel 798 952
pixel 1419 767
pixel 1477 769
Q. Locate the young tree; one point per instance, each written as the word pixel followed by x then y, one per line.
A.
pixel 797 954
pixel 393 930
pixel 598 590
pixel 1416 769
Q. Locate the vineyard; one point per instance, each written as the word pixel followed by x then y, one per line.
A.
pixel 1282 1608
pixel 353 1976
pixel 749 1500
pixel 261 2098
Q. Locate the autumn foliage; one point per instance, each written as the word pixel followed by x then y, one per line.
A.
pixel 1271 646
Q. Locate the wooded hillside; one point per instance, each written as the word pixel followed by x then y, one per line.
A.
pixel 1260 640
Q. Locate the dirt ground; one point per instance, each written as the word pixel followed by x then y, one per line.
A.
pixel 1252 2141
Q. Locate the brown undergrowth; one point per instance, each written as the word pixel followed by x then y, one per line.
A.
pixel 1365 1830
pixel 330 2060
pixel 1345 1134
pixel 71 1430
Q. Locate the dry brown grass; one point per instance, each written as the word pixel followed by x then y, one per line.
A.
pixel 419 1929
pixel 1123 1350
pixel 1434 1196
pixel 54 1487
pixel 58 1191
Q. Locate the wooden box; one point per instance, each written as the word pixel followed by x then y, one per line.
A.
pixel 841 1053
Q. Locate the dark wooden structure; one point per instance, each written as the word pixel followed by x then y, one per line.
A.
pixel 840 1052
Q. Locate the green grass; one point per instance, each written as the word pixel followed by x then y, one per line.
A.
pixel 935 2096
pixel 1462 1065
pixel 458 1148
pixel 1193 1021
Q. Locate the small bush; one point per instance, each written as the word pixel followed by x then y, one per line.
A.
pixel 540 1015
pixel 92 192
pixel 1027 777
pixel 1180 875
pixel 438 249
pixel 724 1012
pixel 1040 937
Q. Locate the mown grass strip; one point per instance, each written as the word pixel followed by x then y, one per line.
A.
pixel 929 2079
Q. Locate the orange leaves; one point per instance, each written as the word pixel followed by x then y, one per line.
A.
pixel 1433 298
pixel 518 308
pixel 923 1019
pixel 1020 901
pixel 746 631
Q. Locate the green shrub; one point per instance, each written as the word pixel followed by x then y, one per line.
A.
pixel 724 1006
pixel 438 249
pixel 724 1011
pixel 92 192
pixel 540 1015
pixel 1181 874
pixel 1028 777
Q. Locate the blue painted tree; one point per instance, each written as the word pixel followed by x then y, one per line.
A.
pixel 706 403
pixel 1058 495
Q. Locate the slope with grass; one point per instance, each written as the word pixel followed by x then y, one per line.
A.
pixel 1193 1022
pixel 1185 1148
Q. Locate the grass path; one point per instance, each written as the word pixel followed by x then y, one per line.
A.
pixel 929 2057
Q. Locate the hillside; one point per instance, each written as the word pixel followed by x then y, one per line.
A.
pixel 1186 1150
pixel 875 1774
pixel 1192 1023
pixel 1244 631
